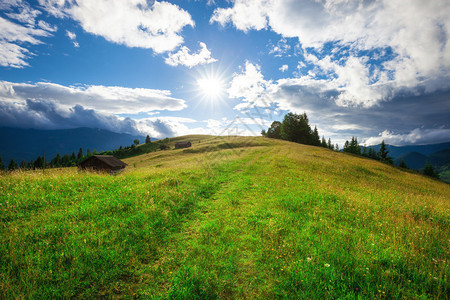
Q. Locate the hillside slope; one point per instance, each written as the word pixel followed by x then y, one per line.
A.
pixel 230 217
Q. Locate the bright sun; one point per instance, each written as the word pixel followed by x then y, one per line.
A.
pixel 210 87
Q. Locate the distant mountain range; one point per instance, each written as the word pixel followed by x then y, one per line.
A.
pixel 416 157
pixel 28 144
pixel 397 151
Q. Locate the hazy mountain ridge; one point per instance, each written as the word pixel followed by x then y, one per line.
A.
pixel 397 151
pixel 27 144
pixel 416 156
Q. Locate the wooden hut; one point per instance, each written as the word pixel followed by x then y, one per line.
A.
pixel 107 163
pixel 180 145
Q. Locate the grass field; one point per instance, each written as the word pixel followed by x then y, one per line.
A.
pixel 231 217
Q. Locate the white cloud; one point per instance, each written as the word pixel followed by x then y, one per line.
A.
pixel 106 99
pixel 417 136
pixel 280 49
pixel 134 23
pixel 25 13
pixel 14 36
pixel 12 55
pixel 251 86
pixel 47 27
pixel 73 37
pixel 284 68
pixel 245 15
pixel 55 8
pixel 185 58
pixel 416 32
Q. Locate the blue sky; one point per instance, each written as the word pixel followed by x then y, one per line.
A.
pixel 372 69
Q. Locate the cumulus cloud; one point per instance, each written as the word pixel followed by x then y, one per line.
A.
pixel 135 23
pixel 46 114
pixel 284 68
pixel 410 38
pixel 245 15
pixel 318 98
pixel 185 58
pixel 251 87
pixel 418 136
pixel 107 99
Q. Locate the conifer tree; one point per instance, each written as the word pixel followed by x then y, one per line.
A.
pixel 429 171
pixel 402 164
pixel 88 153
pixel 12 165
pixel 38 163
pixel 346 146
pixel 383 152
pixel 330 145
pixel 295 128
pixel 56 161
pixel 364 153
pixel 23 164
pixel 315 138
pixel 2 165
pixel 80 154
pixel 324 142
pixel 148 140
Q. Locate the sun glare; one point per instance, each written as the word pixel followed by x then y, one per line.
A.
pixel 210 87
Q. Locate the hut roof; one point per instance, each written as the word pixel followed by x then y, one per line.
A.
pixel 182 144
pixel 109 160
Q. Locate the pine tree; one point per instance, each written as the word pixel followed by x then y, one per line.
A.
pixel 12 165
pixel 2 166
pixel 148 140
pixel 346 146
pixel 324 142
pixel 330 145
pixel 429 171
pixel 38 163
pixel 383 152
pixel 295 128
pixel 315 138
pixel 402 164
pixel 364 153
pixel 354 146
pixel 23 164
pixel 80 154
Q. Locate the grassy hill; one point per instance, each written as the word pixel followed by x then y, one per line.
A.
pixel 231 217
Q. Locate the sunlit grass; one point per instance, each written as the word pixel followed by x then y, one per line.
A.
pixel 231 217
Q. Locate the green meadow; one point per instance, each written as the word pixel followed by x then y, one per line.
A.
pixel 228 218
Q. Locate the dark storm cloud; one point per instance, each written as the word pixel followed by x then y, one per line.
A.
pixel 44 114
pixel 400 115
